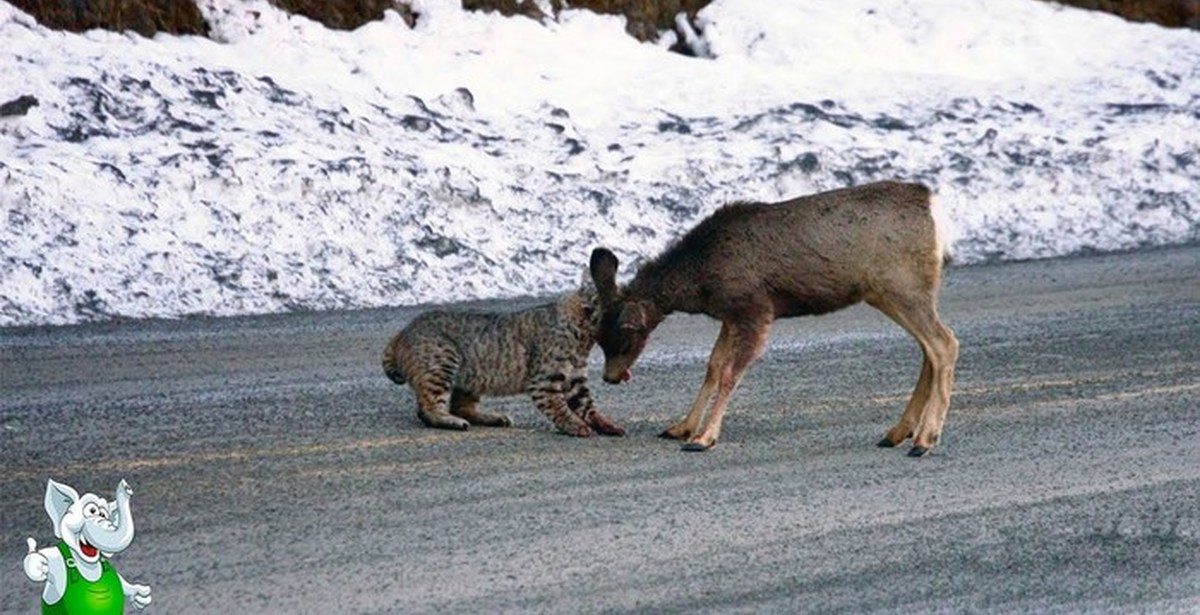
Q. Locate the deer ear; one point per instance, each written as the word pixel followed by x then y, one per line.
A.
pixel 604 273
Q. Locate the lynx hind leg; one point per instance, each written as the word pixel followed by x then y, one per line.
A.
pixel 466 405
pixel 432 408
pixel 433 385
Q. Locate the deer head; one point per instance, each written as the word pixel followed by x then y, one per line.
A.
pixel 625 322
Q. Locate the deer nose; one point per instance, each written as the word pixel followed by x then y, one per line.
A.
pixel 624 376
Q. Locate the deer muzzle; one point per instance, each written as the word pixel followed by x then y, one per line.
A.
pixel 623 376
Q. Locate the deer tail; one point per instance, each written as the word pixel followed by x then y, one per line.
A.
pixel 390 367
pixel 944 231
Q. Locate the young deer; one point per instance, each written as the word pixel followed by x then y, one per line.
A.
pixel 750 263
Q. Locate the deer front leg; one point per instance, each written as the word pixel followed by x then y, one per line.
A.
pixel 579 400
pixel 746 345
pixel 685 427
pixel 548 397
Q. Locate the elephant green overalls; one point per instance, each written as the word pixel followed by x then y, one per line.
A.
pixel 103 596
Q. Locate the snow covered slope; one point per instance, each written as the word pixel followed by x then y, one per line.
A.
pixel 287 166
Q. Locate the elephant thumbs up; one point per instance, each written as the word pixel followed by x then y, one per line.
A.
pixel 37 567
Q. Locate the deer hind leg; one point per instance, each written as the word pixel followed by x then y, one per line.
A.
pixel 925 415
pixel 745 346
pixel 466 405
pixel 903 430
pixel 942 350
pixel 686 426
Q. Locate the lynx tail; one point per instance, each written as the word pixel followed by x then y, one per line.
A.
pixel 389 362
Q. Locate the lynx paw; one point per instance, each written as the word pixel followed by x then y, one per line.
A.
pixel 582 431
pixel 603 426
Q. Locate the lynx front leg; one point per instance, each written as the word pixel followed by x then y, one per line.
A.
pixel 547 394
pixel 579 400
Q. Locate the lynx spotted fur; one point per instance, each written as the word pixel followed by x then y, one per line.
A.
pixel 452 359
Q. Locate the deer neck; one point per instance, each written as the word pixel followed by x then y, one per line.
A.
pixel 669 289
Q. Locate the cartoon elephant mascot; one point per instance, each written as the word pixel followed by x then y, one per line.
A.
pixel 79 579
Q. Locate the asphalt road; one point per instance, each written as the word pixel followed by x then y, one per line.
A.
pixel 276 470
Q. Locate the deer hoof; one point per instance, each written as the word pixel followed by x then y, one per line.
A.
pixel 695 447
pixel 919 451
pixel 885 443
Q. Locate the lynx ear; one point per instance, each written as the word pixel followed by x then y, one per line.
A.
pixel 604 273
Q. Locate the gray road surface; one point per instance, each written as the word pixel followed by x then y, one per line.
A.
pixel 276 470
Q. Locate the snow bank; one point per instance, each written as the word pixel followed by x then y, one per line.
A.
pixel 286 166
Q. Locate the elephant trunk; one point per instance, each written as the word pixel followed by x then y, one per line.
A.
pixel 112 535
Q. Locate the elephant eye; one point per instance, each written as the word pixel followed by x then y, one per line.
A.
pixel 91 510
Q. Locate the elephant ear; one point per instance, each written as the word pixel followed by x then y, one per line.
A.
pixel 59 499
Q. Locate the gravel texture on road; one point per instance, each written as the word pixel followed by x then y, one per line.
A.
pixel 276 470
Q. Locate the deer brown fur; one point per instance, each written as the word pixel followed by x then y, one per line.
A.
pixel 750 263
